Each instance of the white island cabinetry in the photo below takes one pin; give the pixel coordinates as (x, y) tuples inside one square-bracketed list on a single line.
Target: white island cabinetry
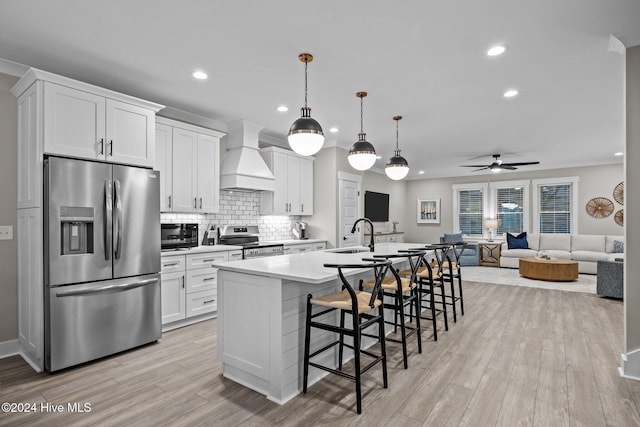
[(261, 315)]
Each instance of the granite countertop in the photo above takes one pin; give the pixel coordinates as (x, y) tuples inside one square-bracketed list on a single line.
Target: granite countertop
[(308, 266), (201, 250)]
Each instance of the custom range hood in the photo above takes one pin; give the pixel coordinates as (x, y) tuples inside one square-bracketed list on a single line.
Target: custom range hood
[(242, 166)]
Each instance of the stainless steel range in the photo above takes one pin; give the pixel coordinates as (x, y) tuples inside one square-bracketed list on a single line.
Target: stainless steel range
[(248, 237)]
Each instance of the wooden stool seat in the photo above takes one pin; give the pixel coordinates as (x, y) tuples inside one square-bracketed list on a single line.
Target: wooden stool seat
[(342, 301), (422, 272), (390, 283)]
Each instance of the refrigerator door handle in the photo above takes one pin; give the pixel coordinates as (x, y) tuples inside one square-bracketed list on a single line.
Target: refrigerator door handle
[(109, 288), (108, 216), (118, 221)]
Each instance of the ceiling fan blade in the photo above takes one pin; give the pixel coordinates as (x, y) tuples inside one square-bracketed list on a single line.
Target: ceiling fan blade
[(481, 169), (521, 164), (473, 166), (508, 167)]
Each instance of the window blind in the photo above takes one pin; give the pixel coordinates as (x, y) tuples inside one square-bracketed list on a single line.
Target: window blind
[(470, 212), (510, 210), (555, 208)]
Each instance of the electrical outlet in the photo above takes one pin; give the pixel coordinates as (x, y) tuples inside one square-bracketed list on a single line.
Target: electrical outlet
[(6, 232)]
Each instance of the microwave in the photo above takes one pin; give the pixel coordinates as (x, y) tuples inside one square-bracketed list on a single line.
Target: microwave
[(178, 236)]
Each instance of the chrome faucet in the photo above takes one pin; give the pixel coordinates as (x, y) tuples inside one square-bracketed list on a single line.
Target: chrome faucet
[(353, 230)]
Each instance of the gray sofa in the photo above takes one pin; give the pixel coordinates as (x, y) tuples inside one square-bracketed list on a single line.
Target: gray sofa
[(610, 279), (470, 253), (584, 248)]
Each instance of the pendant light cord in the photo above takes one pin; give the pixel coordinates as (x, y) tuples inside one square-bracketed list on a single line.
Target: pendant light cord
[(361, 120), (305, 83), (397, 149)]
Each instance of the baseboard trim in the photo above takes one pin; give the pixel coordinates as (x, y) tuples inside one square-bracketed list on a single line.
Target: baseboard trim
[(9, 348), (630, 365)]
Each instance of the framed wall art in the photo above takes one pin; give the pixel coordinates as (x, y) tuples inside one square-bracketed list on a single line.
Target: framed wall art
[(428, 211)]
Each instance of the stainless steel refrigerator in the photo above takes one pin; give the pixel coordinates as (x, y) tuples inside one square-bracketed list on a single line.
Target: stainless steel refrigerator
[(102, 260)]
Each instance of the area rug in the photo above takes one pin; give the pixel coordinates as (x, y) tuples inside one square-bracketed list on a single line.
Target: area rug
[(510, 276)]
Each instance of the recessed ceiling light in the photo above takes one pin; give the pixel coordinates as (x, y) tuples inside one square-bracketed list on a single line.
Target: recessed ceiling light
[(421, 172), (510, 93), (378, 157), (282, 108), (496, 50), (200, 75), (618, 154), (333, 129)]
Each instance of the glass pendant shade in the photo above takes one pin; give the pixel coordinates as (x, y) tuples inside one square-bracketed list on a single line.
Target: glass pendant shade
[(362, 155), (397, 167), (305, 134)]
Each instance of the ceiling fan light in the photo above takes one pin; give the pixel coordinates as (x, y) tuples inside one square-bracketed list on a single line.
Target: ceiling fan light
[(305, 134), (362, 154), (495, 168)]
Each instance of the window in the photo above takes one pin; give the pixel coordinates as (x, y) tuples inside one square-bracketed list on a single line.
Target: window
[(469, 208), (556, 204), (510, 203)]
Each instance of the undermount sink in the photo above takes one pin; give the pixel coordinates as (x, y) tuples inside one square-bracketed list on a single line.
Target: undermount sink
[(348, 250)]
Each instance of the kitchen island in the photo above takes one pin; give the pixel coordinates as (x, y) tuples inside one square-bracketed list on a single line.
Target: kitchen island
[(261, 316)]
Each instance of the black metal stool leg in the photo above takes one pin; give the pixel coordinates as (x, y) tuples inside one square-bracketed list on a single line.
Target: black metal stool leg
[(383, 346), (460, 292), (307, 340), (356, 360), (341, 345)]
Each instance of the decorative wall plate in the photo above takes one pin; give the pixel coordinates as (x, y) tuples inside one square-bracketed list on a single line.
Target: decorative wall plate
[(618, 193), (599, 207), (619, 217)]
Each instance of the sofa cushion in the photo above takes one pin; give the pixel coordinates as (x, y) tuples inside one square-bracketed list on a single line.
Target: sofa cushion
[(517, 242), (585, 242), (588, 256), (561, 242), (609, 242), (453, 238), (518, 253), (560, 254), (533, 239)]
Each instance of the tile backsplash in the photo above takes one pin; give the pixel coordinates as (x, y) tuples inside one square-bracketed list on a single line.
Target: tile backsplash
[(239, 207)]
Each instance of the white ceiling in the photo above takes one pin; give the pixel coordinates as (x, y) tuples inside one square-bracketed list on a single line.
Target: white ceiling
[(422, 59)]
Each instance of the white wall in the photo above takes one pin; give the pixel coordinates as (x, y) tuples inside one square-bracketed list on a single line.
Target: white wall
[(593, 181)]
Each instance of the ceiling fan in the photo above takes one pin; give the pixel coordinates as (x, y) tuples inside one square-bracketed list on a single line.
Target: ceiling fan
[(498, 165)]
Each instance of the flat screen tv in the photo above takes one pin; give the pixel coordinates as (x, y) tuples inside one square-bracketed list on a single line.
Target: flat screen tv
[(376, 206)]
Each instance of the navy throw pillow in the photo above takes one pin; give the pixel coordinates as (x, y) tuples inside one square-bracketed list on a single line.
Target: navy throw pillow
[(517, 242), (618, 247), (453, 238)]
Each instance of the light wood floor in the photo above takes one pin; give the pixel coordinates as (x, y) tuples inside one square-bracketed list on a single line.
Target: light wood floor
[(520, 356)]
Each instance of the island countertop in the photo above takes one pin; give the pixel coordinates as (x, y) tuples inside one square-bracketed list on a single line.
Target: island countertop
[(309, 267)]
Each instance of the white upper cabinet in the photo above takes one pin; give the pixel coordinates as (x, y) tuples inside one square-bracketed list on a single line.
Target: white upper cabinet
[(188, 158), (293, 194), (85, 121)]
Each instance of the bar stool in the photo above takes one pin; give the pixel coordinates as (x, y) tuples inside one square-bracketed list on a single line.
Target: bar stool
[(430, 279), (403, 291), (360, 305), (455, 271)]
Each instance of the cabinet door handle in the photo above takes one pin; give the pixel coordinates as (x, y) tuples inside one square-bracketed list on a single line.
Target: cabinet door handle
[(170, 264), (169, 201), (182, 282), (101, 146), (200, 202), (208, 260), (302, 207), (206, 279), (111, 147), (209, 301), (195, 203)]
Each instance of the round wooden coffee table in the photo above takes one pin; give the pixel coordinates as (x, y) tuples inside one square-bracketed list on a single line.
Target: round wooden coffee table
[(555, 270)]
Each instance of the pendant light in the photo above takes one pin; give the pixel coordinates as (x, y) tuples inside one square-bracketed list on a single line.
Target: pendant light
[(305, 134), (362, 155), (397, 167)]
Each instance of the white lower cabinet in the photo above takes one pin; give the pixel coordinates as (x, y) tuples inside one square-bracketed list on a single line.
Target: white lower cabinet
[(294, 248), (189, 285)]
